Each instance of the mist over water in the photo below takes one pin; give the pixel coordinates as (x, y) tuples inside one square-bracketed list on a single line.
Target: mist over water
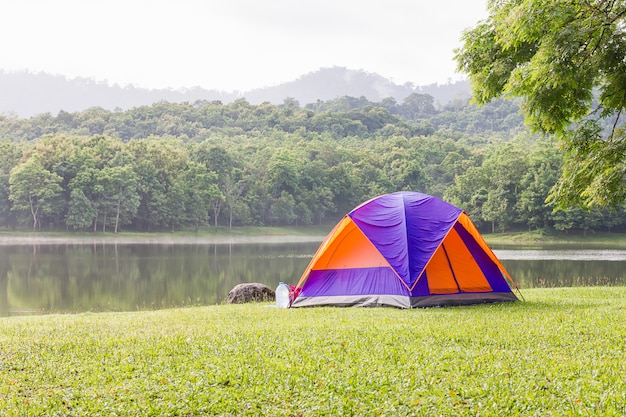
[(609, 255)]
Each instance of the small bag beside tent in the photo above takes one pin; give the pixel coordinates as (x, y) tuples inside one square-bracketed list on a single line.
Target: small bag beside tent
[(404, 250)]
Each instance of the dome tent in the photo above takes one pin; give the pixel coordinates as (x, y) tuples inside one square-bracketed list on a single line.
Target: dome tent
[(404, 250)]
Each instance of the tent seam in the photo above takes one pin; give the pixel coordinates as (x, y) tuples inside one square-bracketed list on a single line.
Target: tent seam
[(386, 260), (419, 276)]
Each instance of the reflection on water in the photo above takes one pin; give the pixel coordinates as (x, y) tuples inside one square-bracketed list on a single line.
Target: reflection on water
[(120, 277), (125, 277)]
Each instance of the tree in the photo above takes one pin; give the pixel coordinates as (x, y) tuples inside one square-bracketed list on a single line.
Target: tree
[(567, 61), (283, 210), (315, 198), (496, 210), (544, 167), (10, 154), (115, 185), (81, 213), (34, 189), (283, 173), (118, 185), (84, 184), (160, 165), (217, 160), (417, 106), (201, 192)]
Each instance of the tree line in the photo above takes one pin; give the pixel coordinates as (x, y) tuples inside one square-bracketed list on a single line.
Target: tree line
[(178, 166)]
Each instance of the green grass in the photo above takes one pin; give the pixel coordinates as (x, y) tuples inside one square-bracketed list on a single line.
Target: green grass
[(538, 238), (560, 353)]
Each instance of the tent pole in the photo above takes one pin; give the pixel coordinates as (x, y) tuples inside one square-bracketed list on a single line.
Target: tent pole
[(451, 269)]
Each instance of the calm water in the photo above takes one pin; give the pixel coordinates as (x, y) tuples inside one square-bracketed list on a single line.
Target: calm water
[(124, 277)]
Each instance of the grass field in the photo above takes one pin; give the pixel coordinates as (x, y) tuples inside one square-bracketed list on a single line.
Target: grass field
[(559, 353)]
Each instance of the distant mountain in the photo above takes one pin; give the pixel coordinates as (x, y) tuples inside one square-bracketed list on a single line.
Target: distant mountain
[(331, 83), (26, 94)]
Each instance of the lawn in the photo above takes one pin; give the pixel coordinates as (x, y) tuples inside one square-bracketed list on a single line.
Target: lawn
[(559, 353)]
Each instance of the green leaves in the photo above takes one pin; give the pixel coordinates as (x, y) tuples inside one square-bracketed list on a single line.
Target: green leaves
[(34, 189), (595, 169), (558, 56)]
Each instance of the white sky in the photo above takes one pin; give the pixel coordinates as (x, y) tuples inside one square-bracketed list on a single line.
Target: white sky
[(234, 45)]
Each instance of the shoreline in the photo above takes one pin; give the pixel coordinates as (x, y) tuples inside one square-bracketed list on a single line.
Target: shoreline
[(155, 240), (281, 235)]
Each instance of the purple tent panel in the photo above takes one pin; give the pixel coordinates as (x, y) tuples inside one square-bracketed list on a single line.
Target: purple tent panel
[(359, 281), (406, 228)]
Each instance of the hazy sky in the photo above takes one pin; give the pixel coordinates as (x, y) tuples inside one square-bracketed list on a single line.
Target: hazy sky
[(234, 45)]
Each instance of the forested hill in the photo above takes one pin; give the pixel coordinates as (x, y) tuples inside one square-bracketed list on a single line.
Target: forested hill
[(339, 118), (170, 166), (28, 94)]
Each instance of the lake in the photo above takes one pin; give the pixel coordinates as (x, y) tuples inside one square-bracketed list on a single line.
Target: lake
[(106, 275)]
